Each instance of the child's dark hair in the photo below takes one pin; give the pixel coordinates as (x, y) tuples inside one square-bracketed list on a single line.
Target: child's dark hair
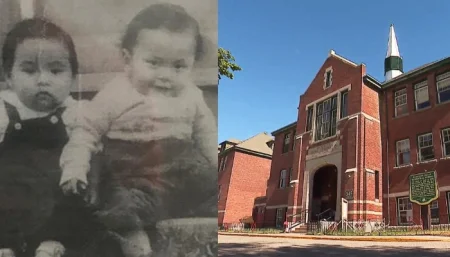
[(169, 16), (36, 28)]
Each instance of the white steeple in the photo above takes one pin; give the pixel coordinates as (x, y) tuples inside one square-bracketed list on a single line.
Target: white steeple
[(393, 63)]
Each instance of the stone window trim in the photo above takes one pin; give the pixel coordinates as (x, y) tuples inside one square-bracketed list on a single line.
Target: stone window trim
[(421, 96), (328, 78), (402, 152), (445, 136), (400, 102), (443, 87), (425, 147)]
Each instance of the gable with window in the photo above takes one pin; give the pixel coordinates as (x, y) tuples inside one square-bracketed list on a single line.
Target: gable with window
[(403, 152), (422, 99), (286, 142), (400, 102), (426, 149), (404, 210), (309, 118), (326, 118), (283, 179), (446, 142), (443, 87)]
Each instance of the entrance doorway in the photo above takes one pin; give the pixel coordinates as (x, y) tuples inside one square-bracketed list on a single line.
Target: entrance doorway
[(324, 195)]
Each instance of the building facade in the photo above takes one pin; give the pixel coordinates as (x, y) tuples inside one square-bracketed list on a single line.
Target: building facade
[(243, 171), (356, 142)]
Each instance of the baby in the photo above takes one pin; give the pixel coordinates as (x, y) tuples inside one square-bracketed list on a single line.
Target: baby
[(40, 65), (148, 121)]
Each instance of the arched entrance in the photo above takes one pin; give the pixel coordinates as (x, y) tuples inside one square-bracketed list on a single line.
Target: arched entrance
[(324, 193)]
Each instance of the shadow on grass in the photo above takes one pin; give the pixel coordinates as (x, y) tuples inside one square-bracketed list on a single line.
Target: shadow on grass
[(321, 250)]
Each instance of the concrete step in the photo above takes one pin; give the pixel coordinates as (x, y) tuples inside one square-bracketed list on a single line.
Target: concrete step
[(302, 229)]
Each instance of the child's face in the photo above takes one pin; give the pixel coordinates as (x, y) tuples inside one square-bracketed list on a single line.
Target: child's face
[(41, 75), (162, 61)]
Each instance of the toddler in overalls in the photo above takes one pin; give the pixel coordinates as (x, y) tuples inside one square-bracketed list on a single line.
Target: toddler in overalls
[(155, 128), (40, 65)]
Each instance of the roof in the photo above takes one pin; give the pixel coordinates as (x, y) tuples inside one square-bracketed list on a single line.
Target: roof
[(416, 72), (289, 126), (255, 145)]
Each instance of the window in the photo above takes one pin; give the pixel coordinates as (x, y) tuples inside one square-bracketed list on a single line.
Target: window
[(404, 208), (446, 142), (403, 152), (279, 218), (326, 118), (401, 105), (377, 184), (223, 163), (421, 96), (283, 179), (293, 140), (286, 142), (426, 150), (344, 104), (448, 206), (309, 118), (290, 174), (434, 208), (218, 195), (328, 79), (443, 87)]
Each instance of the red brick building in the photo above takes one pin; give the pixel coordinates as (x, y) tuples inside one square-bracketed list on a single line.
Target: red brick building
[(243, 171), (356, 141)]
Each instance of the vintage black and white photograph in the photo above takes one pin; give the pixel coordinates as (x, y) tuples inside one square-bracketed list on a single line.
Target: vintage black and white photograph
[(108, 128)]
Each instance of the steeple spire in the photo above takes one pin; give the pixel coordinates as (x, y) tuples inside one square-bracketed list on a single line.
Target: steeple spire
[(393, 63)]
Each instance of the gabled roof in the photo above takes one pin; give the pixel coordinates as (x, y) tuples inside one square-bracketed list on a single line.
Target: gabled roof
[(255, 145)]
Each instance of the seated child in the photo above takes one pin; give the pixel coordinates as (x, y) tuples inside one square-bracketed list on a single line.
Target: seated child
[(40, 65), (149, 121)]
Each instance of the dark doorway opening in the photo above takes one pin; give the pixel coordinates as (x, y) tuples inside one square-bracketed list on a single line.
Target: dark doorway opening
[(324, 195)]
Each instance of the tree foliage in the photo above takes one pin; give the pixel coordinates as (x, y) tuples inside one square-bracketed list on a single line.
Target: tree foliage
[(227, 65)]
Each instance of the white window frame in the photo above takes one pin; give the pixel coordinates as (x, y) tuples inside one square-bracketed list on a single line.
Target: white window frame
[(404, 205), (401, 147), (283, 179), (442, 85), (420, 146), (445, 134), (435, 205), (421, 90), (324, 122), (286, 142), (400, 100)]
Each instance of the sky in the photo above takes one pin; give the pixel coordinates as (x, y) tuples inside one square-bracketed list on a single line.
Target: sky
[(281, 45)]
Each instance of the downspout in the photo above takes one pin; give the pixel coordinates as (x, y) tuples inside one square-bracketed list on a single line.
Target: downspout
[(387, 159)]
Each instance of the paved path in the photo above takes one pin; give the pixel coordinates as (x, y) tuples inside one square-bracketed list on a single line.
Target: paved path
[(272, 247)]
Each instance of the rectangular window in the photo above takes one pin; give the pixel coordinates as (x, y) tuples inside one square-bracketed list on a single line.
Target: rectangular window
[(377, 184), (286, 142), (223, 163), (344, 104), (400, 102), (283, 179), (434, 209), (290, 174), (328, 79), (426, 149), (404, 210), (293, 140), (443, 87), (326, 118), (448, 206), (421, 96), (446, 142), (279, 218), (403, 152), (218, 194), (309, 118)]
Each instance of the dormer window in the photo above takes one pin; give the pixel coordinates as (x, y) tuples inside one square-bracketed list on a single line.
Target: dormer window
[(328, 78)]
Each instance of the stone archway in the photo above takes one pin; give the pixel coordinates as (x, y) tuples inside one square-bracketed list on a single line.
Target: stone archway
[(324, 193)]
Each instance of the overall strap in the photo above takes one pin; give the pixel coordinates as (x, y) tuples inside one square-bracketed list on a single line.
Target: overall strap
[(12, 112)]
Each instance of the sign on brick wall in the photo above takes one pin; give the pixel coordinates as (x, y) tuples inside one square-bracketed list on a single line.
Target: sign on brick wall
[(423, 188)]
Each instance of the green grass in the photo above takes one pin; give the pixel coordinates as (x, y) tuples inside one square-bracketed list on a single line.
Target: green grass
[(254, 231)]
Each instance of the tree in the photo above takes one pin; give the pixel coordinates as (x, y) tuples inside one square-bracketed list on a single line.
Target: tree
[(227, 65)]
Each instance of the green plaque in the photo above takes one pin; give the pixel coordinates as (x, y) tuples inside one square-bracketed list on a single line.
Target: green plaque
[(423, 188)]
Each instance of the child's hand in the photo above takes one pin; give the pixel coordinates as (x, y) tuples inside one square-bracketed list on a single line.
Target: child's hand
[(73, 187)]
